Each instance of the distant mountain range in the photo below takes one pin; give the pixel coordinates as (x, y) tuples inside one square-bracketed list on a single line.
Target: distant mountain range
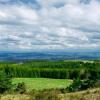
[(21, 56)]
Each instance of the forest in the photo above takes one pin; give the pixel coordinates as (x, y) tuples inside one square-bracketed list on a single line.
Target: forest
[(52, 69)]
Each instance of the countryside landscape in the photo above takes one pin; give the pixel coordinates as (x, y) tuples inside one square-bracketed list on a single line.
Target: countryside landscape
[(49, 49), (50, 79)]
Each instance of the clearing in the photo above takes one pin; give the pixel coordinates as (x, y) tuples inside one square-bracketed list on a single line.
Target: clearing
[(42, 83)]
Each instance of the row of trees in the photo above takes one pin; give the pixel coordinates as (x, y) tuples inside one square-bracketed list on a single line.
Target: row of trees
[(47, 69)]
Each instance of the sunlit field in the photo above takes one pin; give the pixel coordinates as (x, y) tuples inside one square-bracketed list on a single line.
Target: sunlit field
[(42, 83)]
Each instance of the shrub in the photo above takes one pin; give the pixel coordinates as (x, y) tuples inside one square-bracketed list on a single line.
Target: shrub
[(21, 88), (87, 84), (78, 85), (97, 84), (75, 86)]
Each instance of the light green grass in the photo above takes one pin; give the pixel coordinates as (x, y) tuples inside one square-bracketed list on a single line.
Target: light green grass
[(42, 83)]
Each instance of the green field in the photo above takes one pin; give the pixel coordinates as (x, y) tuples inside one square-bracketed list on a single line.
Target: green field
[(42, 83)]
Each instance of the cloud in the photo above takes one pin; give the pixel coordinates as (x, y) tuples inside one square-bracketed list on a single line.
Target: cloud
[(17, 14), (54, 25)]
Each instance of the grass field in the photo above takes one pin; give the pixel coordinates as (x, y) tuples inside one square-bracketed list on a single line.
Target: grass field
[(42, 83)]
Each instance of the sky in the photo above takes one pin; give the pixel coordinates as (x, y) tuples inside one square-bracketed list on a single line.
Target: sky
[(32, 25)]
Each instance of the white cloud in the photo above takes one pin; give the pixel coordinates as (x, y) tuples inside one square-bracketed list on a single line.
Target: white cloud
[(55, 25), (18, 14)]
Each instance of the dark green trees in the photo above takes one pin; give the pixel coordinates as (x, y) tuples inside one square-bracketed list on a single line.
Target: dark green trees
[(53, 69), (5, 82), (79, 84)]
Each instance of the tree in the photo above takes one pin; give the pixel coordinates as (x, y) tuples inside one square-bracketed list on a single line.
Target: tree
[(78, 84), (5, 82)]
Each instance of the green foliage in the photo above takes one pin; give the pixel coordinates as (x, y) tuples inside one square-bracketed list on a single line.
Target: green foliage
[(5, 82), (87, 84), (21, 88), (78, 84), (97, 83), (75, 86), (53, 69)]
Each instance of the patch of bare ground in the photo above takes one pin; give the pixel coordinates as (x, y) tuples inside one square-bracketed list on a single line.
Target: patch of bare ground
[(15, 97)]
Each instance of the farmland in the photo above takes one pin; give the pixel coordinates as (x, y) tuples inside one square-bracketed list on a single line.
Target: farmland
[(42, 83)]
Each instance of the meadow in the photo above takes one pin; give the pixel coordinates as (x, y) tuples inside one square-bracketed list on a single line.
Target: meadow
[(42, 83)]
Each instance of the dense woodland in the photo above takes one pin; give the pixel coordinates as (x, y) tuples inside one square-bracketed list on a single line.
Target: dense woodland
[(53, 69)]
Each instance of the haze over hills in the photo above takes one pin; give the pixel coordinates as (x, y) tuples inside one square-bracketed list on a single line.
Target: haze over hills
[(54, 55)]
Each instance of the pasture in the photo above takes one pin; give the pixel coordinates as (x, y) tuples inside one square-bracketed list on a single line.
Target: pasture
[(42, 83)]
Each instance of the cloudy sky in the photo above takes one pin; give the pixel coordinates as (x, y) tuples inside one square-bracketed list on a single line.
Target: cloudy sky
[(27, 25)]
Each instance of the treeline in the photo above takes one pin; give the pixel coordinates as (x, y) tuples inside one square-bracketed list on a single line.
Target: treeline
[(53, 69)]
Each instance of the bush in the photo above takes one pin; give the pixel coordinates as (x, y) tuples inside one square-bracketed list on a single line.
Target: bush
[(78, 85), (75, 86), (87, 84), (5, 82), (21, 88), (97, 84)]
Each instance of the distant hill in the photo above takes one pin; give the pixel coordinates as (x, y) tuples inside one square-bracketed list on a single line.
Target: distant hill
[(21, 56)]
